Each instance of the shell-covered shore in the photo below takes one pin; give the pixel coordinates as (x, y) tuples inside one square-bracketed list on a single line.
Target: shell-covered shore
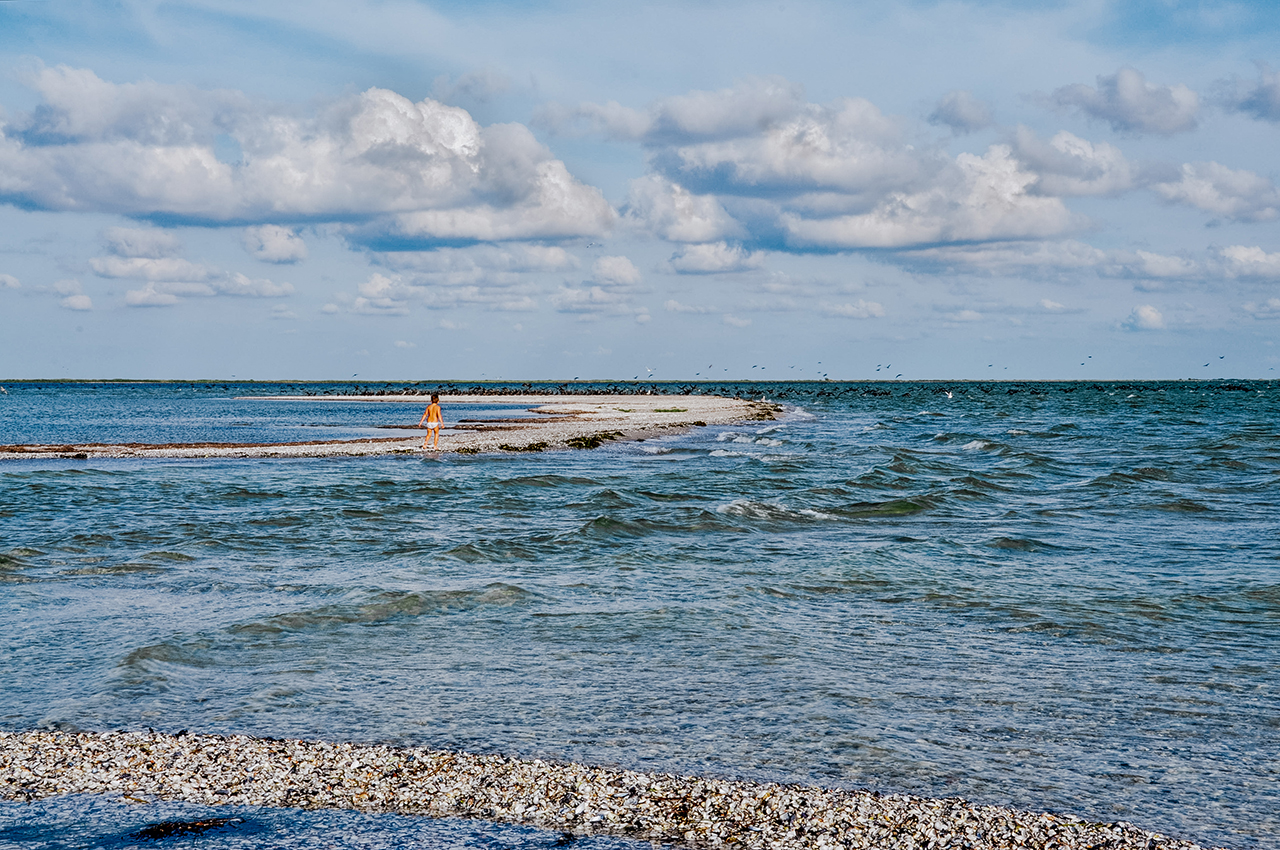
[(574, 798)]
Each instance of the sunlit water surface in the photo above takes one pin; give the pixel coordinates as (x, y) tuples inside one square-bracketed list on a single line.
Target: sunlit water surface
[(1051, 596)]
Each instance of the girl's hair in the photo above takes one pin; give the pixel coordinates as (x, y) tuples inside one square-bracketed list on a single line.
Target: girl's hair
[(435, 396)]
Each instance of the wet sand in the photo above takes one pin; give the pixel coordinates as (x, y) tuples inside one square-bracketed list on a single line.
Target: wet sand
[(560, 423)]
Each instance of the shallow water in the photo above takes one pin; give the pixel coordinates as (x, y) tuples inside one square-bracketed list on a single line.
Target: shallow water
[(96, 823), (1053, 596)]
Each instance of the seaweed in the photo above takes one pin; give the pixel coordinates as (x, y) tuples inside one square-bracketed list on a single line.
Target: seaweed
[(592, 441)]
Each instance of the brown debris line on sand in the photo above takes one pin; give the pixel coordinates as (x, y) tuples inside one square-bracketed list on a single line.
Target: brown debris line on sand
[(575, 798), (563, 422)]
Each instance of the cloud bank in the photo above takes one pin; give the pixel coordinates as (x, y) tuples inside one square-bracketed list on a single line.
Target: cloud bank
[(405, 170)]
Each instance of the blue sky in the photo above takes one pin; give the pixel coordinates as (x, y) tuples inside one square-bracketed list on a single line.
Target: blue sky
[(409, 190)]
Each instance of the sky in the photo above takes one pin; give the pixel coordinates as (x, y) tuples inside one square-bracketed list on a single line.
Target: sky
[(401, 190)]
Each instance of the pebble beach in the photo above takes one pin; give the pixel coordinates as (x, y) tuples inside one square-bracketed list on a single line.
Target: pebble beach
[(143, 767)]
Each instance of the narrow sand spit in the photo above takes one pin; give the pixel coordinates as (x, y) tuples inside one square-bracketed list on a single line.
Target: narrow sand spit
[(697, 812), (563, 422)]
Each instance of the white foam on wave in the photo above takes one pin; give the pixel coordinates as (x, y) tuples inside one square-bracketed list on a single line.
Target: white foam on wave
[(655, 450), (751, 509), (747, 439), (975, 445)]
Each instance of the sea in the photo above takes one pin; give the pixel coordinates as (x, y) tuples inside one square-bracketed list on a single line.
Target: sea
[(1060, 597)]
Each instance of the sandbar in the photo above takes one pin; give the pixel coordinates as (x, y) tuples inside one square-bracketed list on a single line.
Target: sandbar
[(560, 423)]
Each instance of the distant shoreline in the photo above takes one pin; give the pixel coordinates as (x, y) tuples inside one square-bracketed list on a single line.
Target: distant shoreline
[(625, 387)]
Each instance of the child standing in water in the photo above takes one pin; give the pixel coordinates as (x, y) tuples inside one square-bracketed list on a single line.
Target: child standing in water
[(434, 419)]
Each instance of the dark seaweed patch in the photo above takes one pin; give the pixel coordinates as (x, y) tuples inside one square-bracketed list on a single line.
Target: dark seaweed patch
[(170, 828), (592, 441)]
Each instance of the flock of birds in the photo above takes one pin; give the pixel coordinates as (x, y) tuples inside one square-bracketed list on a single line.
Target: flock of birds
[(879, 367)]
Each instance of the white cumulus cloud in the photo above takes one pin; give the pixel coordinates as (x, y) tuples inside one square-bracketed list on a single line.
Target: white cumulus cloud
[(272, 243), (986, 198), (615, 272), (1235, 194), (141, 242), (1150, 265), (1242, 261), (77, 302), (715, 257), (1144, 318), (1070, 165), (1127, 102), (1269, 309), (8, 281), (962, 112), (73, 297), (671, 211)]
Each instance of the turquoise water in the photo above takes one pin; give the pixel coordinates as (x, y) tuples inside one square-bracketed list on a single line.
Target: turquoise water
[(1051, 596)]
